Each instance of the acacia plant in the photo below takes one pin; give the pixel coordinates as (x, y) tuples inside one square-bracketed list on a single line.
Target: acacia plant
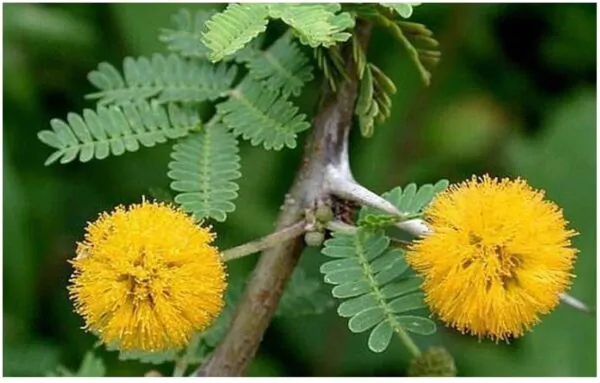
[(149, 283)]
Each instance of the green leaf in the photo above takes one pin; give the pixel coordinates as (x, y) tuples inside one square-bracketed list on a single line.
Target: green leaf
[(315, 24), (403, 9), (374, 99), (366, 319), (341, 264), (340, 246), (344, 276), (303, 296), (369, 273), (91, 366), (354, 306), (158, 357), (408, 34), (168, 79), (203, 169), (114, 130), (26, 358), (410, 201), (380, 337), (408, 302), (262, 116), (186, 37), (409, 194), (351, 289), (282, 67), (416, 324), (402, 287), (230, 30), (392, 269)]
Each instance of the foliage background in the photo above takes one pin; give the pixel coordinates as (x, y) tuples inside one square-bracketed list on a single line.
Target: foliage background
[(514, 95)]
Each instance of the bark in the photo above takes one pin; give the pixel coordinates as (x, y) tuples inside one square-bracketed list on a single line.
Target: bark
[(327, 146)]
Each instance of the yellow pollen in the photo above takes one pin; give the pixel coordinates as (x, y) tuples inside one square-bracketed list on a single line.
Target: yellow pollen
[(147, 277), (498, 258)]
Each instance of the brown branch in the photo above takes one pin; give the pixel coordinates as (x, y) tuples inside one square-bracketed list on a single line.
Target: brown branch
[(265, 242), (327, 146)]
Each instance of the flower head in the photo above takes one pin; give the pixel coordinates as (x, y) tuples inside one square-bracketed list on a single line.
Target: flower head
[(498, 257), (146, 278)]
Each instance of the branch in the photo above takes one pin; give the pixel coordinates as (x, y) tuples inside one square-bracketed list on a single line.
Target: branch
[(265, 242), (327, 145)]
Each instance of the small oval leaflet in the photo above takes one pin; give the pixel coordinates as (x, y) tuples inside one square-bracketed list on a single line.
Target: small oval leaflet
[(380, 337), (417, 325), (366, 319)]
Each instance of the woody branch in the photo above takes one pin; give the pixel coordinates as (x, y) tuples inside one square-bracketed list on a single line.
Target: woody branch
[(327, 147)]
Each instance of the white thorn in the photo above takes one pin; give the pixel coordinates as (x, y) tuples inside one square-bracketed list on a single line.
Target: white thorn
[(574, 302), (416, 227), (344, 186)]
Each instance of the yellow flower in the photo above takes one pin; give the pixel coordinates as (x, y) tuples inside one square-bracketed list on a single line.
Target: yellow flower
[(146, 278), (498, 257)]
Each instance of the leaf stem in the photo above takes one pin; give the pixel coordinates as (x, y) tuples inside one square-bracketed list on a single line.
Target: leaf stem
[(408, 342), (341, 227), (265, 242)]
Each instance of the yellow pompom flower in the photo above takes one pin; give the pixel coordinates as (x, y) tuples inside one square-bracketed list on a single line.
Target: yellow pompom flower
[(146, 278), (498, 257)]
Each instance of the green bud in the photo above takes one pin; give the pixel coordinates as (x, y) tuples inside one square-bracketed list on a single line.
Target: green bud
[(314, 238), (323, 213), (435, 361)]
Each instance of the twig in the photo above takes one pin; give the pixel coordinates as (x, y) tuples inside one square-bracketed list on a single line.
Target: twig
[(265, 242), (328, 144)]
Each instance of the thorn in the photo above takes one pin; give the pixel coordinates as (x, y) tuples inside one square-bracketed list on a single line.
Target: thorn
[(344, 186), (576, 303), (417, 227)]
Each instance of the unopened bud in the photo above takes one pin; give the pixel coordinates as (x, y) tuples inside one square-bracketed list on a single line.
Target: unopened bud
[(324, 213), (314, 238), (435, 361)]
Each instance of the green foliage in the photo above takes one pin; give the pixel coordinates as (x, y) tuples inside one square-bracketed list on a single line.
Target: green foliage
[(303, 296), (186, 37), (114, 130), (332, 65), (282, 67), (29, 359), (314, 24), (422, 48), (378, 292), (169, 79), (419, 42), (91, 367), (435, 361), (262, 116), (230, 30), (203, 169), (157, 358), (411, 201), (374, 101), (403, 9)]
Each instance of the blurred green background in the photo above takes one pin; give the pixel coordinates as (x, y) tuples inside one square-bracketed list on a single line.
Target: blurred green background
[(514, 95)]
